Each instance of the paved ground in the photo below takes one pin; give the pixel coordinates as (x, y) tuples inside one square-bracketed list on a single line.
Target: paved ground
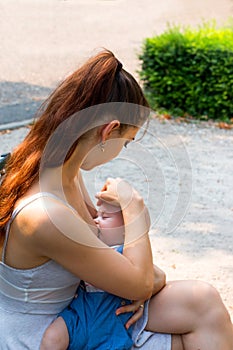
[(41, 41), (184, 172)]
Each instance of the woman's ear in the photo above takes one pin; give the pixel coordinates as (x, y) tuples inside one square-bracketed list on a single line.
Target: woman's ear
[(108, 128)]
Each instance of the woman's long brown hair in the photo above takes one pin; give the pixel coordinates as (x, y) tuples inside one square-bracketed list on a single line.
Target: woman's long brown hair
[(100, 80)]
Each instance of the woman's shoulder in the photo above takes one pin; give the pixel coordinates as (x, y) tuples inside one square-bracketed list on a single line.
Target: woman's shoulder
[(50, 218), (36, 211), (50, 227), (30, 229), (35, 228)]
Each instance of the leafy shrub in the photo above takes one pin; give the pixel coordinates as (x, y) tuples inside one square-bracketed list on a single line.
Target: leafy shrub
[(190, 71)]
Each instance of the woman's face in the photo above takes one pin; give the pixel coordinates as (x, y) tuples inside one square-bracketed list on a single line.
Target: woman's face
[(100, 154), (111, 224)]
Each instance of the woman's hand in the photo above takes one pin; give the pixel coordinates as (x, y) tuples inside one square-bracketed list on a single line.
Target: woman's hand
[(137, 307), (135, 214), (118, 192)]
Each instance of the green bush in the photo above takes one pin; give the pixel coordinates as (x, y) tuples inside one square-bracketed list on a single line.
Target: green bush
[(190, 71)]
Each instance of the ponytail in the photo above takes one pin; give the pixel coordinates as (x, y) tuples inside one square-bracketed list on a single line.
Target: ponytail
[(100, 80)]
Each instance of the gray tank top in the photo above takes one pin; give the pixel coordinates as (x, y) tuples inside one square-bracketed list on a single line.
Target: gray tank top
[(31, 298)]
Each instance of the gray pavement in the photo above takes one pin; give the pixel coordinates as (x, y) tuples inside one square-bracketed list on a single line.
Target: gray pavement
[(41, 41)]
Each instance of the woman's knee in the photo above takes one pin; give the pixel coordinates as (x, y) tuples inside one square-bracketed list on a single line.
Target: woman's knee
[(204, 295), (207, 303), (183, 306)]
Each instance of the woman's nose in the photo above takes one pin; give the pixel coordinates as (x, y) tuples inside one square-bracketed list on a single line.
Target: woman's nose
[(96, 220)]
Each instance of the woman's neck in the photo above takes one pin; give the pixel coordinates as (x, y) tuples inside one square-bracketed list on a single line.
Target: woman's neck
[(54, 180)]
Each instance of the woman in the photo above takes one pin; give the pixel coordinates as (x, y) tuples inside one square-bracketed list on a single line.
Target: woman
[(49, 240), (91, 317)]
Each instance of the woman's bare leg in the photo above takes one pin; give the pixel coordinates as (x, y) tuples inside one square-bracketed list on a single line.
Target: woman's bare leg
[(56, 336), (194, 310)]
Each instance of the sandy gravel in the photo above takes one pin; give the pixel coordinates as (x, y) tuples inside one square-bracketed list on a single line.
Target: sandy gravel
[(184, 172)]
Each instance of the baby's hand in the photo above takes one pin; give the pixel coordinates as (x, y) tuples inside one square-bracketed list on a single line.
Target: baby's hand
[(136, 307)]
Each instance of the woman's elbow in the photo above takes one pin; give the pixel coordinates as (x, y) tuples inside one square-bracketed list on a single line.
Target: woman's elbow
[(159, 279), (147, 289)]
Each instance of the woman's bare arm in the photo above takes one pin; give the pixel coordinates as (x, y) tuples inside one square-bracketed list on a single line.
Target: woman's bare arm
[(56, 232), (159, 279), (137, 305), (137, 246)]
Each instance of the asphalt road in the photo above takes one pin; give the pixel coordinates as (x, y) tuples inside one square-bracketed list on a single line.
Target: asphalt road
[(41, 41)]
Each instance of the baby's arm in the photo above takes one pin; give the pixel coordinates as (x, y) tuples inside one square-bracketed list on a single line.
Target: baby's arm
[(56, 336)]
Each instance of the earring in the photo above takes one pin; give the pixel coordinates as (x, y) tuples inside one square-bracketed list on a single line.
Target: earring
[(102, 146)]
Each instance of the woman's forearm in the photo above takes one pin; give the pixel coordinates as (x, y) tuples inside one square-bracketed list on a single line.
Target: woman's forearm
[(136, 219), (137, 247)]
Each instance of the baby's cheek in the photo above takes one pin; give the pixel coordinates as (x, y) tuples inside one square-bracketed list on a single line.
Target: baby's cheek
[(106, 223), (104, 226)]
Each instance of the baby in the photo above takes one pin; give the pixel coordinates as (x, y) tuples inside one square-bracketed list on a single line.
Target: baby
[(90, 321)]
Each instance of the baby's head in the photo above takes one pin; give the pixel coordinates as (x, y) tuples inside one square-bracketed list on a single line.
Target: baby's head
[(110, 223)]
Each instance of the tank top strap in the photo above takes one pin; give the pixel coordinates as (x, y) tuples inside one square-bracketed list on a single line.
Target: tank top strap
[(22, 205)]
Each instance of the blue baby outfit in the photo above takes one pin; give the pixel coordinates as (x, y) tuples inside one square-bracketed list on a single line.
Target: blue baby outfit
[(92, 323)]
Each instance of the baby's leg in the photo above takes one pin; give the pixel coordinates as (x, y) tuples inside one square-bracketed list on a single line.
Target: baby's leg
[(194, 310), (56, 336)]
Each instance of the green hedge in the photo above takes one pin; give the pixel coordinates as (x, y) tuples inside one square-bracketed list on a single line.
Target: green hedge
[(190, 71)]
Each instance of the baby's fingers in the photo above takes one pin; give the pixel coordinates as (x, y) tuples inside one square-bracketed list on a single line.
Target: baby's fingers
[(125, 308), (138, 314), (136, 308)]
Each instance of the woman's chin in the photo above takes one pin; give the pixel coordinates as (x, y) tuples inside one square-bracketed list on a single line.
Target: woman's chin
[(88, 167)]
